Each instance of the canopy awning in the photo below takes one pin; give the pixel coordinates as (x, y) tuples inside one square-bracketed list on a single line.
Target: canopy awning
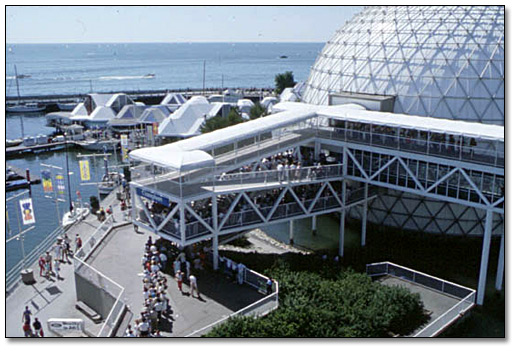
[(171, 157)]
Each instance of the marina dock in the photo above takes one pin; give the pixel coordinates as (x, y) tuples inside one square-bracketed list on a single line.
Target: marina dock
[(15, 152), (147, 97)]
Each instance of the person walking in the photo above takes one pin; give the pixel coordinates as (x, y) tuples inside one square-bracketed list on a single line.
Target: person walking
[(38, 328), (41, 264), (178, 277), (67, 241), (48, 262), (57, 250), (193, 286), (27, 329), (57, 268), (26, 316), (79, 243)]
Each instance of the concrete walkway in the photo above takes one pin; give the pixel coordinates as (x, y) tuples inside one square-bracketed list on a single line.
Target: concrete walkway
[(119, 258), (54, 298)]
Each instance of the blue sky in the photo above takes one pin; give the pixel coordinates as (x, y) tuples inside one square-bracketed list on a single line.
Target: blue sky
[(70, 24)]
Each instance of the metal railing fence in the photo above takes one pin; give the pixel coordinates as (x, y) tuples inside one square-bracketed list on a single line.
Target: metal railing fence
[(465, 295)]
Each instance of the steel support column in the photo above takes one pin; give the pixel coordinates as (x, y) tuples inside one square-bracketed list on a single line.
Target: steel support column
[(215, 251), (486, 242), (214, 209), (364, 220), (500, 267), (291, 232), (314, 221), (342, 233)]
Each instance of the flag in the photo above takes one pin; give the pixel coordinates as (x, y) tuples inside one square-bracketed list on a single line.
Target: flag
[(7, 221), (46, 181), (26, 207), (60, 184), (124, 153), (124, 140), (84, 170)]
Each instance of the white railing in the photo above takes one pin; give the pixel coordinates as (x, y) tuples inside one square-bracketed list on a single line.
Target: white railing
[(259, 308), (93, 241), (465, 295), (98, 279), (13, 275), (111, 287)]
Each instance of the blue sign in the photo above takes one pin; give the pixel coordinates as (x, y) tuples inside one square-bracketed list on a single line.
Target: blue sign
[(150, 195)]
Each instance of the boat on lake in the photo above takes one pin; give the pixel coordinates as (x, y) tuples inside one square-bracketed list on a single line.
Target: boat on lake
[(109, 182), (92, 144), (23, 107), (13, 143)]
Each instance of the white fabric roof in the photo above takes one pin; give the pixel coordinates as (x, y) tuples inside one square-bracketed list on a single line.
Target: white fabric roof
[(356, 113), (287, 95), (186, 120), (171, 157), (456, 127), (244, 130)]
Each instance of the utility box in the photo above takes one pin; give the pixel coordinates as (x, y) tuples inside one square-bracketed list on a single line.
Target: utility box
[(376, 102)]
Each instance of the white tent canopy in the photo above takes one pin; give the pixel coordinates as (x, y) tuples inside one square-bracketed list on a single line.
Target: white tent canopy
[(186, 120), (171, 157), (443, 126)]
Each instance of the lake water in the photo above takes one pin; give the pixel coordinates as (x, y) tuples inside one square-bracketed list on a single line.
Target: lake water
[(72, 68)]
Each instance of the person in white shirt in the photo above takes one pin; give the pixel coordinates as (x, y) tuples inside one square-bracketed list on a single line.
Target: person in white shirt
[(155, 268), (193, 286), (143, 328)]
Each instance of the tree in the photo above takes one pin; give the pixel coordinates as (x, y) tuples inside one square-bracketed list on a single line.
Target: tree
[(283, 81), (257, 111), (330, 303), (220, 122)]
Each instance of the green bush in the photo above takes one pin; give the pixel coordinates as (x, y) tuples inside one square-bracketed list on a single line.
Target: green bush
[(220, 122), (331, 302)]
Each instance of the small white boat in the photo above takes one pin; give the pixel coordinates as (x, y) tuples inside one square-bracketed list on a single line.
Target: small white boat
[(67, 107), (76, 215), (13, 143), (110, 182), (25, 108), (98, 145)]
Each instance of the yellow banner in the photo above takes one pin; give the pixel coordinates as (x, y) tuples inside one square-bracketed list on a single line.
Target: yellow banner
[(84, 170)]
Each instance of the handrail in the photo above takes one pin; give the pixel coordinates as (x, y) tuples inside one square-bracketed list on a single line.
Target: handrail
[(245, 309), (13, 273), (465, 303)]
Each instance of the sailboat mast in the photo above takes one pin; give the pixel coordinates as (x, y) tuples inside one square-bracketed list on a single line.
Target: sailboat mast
[(17, 85), (68, 175), (204, 78)]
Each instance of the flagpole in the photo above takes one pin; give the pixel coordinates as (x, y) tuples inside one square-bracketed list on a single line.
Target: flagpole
[(21, 238)]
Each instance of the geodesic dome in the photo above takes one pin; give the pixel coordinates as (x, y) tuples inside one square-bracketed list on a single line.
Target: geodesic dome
[(438, 61)]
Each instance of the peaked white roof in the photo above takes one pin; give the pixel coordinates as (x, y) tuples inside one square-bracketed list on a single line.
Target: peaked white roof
[(171, 157), (186, 120)]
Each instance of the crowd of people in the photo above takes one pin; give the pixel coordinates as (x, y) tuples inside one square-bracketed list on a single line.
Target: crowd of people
[(156, 306), (287, 165), (37, 328), (50, 265)]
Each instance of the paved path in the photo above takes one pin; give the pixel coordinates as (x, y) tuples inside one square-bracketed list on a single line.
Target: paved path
[(53, 298), (119, 258)]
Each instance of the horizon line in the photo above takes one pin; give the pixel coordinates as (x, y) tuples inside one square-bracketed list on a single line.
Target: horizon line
[(177, 42)]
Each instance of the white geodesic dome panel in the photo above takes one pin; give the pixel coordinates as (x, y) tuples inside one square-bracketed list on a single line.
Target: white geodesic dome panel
[(439, 61)]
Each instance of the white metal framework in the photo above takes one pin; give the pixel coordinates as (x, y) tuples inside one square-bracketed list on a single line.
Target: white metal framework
[(441, 61), (194, 204)]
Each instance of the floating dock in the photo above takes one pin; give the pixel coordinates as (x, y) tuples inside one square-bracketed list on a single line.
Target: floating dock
[(145, 96), (13, 152)]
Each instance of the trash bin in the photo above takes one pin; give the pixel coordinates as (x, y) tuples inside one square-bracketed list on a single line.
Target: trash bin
[(27, 276)]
